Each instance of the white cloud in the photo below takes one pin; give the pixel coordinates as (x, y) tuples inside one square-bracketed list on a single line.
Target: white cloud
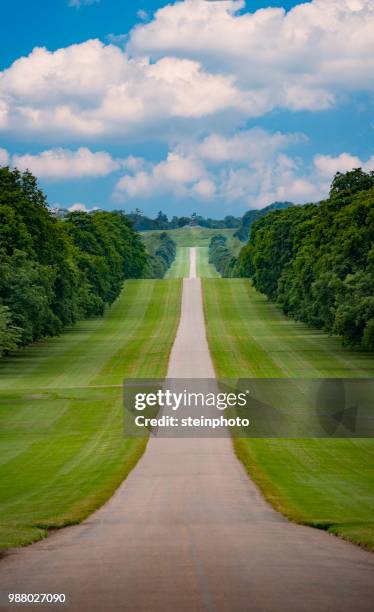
[(66, 164), (133, 163), (206, 58), (92, 89), (193, 60), (248, 166), (277, 178), (247, 145), (300, 59), (251, 167), (4, 157), (327, 165), (176, 175), (205, 188), (78, 207)]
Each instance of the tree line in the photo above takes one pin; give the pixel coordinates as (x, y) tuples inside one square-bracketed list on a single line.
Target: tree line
[(161, 222), (251, 216), (162, 250), (221, 256), (55, 271), (317, 261)]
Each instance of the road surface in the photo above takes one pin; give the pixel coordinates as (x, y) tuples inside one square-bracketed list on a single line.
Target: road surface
[(188, 531)]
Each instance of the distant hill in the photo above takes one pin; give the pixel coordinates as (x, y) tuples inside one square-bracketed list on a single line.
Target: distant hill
[(252, 215)]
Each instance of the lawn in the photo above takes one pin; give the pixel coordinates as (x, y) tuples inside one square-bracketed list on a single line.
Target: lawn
[(204, 268), (63, 452), (327, 483), (186, 237), (191, 236), (180, 268)]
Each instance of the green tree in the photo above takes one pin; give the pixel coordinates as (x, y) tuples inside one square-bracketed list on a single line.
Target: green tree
[(317, 261), (352, 182), (9, 333)]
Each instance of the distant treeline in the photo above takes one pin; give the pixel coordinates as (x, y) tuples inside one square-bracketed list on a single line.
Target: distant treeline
[(143, 223), (221, 256), (251, 216), (317, 261), (162, 250), (53, 271)]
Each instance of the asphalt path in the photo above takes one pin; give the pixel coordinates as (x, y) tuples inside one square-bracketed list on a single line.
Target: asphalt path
[(189, 531)]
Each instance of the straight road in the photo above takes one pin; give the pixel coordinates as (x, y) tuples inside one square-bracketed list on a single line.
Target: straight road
[(188, 531)]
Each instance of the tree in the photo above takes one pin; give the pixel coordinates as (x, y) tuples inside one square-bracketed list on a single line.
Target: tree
[(317, 261), (55, 270), (161, 221), (9, 333), (352, 182)]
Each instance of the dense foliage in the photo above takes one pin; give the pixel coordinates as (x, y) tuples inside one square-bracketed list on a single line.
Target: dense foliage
[(317, 261), (54, 271), (251, 216), (143, 223), (221, 256), (162, 250)]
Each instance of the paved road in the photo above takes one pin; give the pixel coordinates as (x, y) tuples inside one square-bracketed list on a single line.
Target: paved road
[(188, 531), (193, 272)]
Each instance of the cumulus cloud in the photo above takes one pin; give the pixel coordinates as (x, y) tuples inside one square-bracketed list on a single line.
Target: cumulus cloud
[(282, 177), (300, 59), (92, 89), (247, 145), (204, 189), (193, 60), (66, 164), (328, 166), (192, 74), (177, 174), (249, 166), (4, 157), (252, 167), (78, 207)]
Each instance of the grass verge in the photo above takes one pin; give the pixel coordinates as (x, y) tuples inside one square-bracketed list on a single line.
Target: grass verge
[(204, 268), (180, 268), (63, 452), (325, 483), (191, 236)]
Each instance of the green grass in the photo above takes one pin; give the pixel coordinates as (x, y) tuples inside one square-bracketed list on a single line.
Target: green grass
[(180, 268), (63, 452), (204, 268), (151, 241), (191, 236), (326, 483)]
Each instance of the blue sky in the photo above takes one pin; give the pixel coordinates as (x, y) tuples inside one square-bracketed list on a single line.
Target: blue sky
[(215, 107)]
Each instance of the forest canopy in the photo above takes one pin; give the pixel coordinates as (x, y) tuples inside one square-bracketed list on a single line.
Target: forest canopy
[(55, 271), (317, 261), (161, 251)]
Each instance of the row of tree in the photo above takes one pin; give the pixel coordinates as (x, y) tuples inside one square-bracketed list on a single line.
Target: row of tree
[(161, 255), (317, 261), (53, 271), (143, 223), (251, 216), (221, 256)]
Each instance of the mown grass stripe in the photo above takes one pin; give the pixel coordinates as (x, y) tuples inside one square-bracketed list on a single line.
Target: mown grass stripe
[(61, 416), (326, 483)]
